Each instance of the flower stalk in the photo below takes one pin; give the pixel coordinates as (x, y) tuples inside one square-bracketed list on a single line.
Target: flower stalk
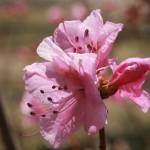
[(102, 139)]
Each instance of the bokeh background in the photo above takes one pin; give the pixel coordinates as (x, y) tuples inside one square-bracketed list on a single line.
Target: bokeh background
[(24, 23)]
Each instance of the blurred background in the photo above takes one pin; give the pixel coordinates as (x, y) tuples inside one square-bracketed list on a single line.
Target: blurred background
[(24, 23)]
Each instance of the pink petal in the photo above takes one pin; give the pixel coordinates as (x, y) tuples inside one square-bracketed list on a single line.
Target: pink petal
[(106, 37), (61, 90), (142, 100), (58, 127), (131, 70), (49, 50), (129, 77), (95, 110), (94, 20), (61, 38)]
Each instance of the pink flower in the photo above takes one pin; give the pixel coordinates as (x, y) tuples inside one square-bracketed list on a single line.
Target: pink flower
[(78, 11), (91, 35), (55, 14), (129, 78), (61, 94), (15, 9)]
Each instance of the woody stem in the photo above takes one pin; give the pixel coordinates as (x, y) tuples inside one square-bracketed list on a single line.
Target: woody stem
[(5, 130), (102, 139)]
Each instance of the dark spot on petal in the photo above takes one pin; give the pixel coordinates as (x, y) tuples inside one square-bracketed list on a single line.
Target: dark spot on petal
[(74, 49), (65, 87), (60, 88), (94, 49), (86, 33), (43, 115), (54, 86), (55, 112), (89, 47), (42, 91), (80, 48), (76, 38), (50, 99), (81, 89), (29, 104), (32, 113)]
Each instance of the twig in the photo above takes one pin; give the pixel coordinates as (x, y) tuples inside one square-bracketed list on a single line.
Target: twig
[(5, 130), (102, 142)]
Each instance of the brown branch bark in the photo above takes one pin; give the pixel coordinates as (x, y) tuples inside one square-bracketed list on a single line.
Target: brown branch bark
[(5, 130)]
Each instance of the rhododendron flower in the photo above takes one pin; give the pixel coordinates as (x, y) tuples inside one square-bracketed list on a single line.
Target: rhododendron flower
[(89, 36), (15, 9), (78, 11), (128, 79), (61, 94), (55, 14)]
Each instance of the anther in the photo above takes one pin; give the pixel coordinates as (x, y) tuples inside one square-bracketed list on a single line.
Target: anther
[(81, 89), (32, 113), (89, 47), (80, 48), (55, 112), (94, 49), (86, 33), (43, 115), (29, 104), (49, 99), (60, 88), (53, 87), (65, 87), (42, 91), (74, 49), (76, 38)]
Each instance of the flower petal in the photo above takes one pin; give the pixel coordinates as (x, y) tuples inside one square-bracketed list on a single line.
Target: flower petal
[(131, 70), (94, 20), (95, 110), (56, 128), (129, 77), (49, 50), (61, 38), (107, 36)]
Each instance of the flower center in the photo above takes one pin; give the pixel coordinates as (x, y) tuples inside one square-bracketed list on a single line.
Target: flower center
[(106, 90)]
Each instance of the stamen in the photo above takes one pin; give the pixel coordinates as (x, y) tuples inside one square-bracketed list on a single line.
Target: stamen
[(60, 88), (80, 48), (86, 33), (101, 69), (81, 89), (65, 87), (74, 49), (94, 49), (65, 99), (76, 38), (29, 105), (32, 113), (31, 134), (89, 47), (43, 115), (69, 105), (55, 112), (66, 34)]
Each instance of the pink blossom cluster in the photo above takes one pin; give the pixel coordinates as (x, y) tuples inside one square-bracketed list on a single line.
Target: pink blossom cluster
[(57, 14), (65, 92), (15, 9)]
